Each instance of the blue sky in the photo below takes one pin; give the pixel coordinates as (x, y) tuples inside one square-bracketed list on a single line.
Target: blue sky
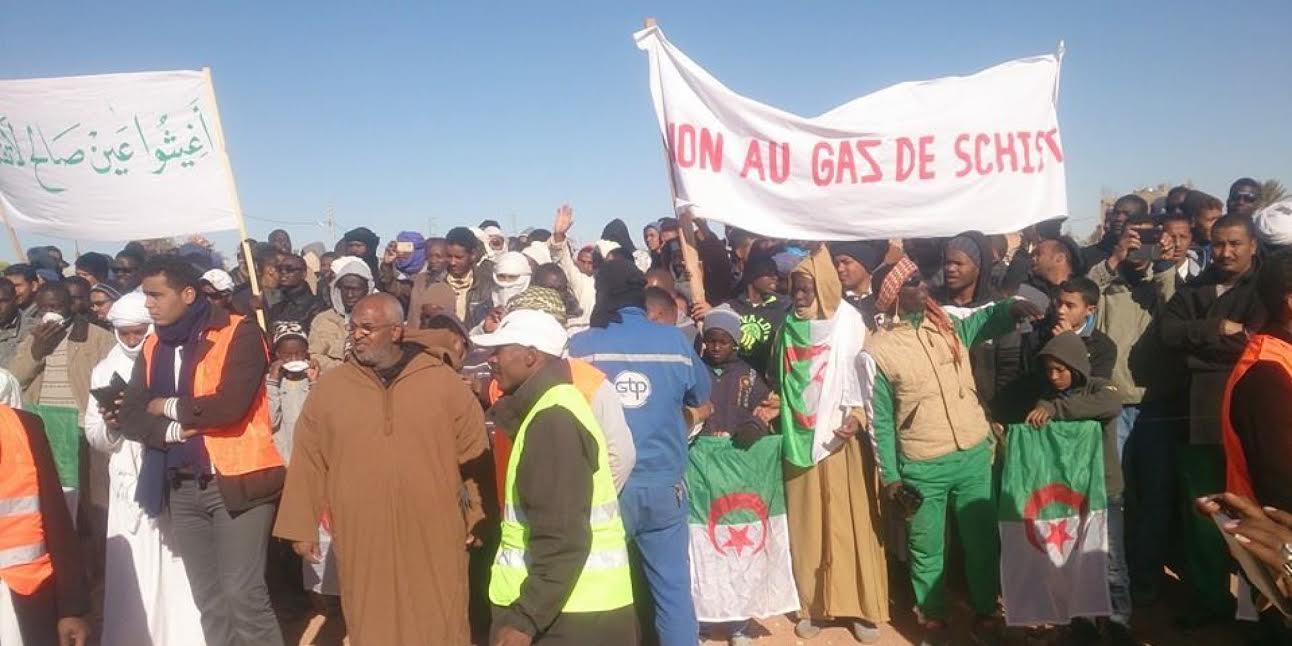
[(419, 115)]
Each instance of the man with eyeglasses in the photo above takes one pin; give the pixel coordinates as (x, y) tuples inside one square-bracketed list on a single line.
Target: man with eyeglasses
[(125, 270), (1244, 194), (296, 301), (391, 446)]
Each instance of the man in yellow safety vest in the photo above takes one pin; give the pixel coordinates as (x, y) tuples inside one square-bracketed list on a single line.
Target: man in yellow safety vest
[(561, 574)]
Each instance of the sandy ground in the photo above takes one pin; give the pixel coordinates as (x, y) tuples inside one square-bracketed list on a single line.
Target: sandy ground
[(1153, 626)]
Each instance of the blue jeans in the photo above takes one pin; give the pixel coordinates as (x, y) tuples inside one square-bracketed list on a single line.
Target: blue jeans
[(1125, 423), (1118, 574), (655, 518)]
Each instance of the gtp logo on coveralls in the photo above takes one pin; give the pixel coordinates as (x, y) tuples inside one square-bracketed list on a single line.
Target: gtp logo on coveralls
[(633, 387)]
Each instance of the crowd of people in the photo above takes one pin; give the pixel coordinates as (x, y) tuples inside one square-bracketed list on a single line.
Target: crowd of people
[(483, 438)]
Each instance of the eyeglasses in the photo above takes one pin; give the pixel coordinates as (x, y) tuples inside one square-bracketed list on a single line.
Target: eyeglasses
[(291, 269), (914, 280), (360, 331), (1246, 197)]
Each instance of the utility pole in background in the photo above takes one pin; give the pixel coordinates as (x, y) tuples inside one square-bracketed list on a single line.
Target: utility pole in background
[(329, 221)]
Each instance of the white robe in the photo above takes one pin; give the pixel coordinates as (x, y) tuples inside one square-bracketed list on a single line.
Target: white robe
[(147, 599)]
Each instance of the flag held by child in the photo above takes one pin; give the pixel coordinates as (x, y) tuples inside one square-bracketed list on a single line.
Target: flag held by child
[(1053, 524), (740, 544)]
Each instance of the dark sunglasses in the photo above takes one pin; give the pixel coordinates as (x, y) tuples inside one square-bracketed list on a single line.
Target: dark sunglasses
[(291, 269), (1245, 197), (914, 280)]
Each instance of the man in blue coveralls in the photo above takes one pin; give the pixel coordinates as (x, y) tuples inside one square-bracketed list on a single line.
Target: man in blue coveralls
[(656, 373)]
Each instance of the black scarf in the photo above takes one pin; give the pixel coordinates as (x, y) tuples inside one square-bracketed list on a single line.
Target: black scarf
[(619, 284)]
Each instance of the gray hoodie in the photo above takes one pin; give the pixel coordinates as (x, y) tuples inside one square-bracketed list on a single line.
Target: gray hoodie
[(1088, 398)]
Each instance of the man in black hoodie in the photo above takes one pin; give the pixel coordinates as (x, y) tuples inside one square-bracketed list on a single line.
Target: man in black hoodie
[(1067, 392)]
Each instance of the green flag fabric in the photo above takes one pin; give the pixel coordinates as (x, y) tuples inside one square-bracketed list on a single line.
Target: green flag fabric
[(63, 428), (816, 366), (1054, 524), (740, 547)]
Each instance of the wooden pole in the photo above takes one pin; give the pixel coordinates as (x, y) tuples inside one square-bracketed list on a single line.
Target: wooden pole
[(237, 204), (686, 228), (20, 255)]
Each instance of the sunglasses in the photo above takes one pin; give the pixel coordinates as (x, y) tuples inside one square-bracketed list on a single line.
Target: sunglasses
[(291, 269), (1245, 197)]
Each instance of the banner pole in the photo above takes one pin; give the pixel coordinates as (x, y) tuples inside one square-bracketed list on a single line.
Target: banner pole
[(233, 196), (685, 221), (21, 256)]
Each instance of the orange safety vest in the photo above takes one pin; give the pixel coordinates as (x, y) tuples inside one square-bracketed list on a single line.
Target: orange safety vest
[(243, 446), (586, 379), (24, 560), (1261, 347)]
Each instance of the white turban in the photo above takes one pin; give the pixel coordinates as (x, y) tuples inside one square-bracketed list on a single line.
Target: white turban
[(604, 247), (539, 252), (1274, 223), (129, 311), (511, 263)]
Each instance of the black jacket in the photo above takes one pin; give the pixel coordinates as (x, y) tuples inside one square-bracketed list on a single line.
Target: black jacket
[(554, 493), (242, 382), (1190, 325), (298, 304)]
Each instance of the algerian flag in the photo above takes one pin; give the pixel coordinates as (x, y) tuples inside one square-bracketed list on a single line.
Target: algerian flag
[(740, 543), (1054, 524), (63, 429), (822, 373)]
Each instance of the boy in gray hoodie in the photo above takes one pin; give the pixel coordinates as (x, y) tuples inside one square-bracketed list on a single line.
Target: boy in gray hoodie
[(1069, 393)]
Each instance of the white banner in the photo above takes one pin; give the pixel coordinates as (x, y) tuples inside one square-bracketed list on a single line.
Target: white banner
[(918, 159), (114, 157)]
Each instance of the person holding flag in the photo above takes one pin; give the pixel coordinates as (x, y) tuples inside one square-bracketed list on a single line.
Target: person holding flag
[(831, 493), (932, 438)]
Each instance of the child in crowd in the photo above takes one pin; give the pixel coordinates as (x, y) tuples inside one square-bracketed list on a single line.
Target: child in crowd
[(287, 385), (1069, 393), (741, 410)]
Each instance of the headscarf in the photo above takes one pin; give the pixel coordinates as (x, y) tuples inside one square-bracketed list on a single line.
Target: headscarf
[(976, 246), (1274, 223), (130, 311), (487, 233), (367, 237), (619, 284), (348, 266), (416, 261), (542, 299), (616, 231), (538, 251), (890, 287), (509, 263), (829, 292)]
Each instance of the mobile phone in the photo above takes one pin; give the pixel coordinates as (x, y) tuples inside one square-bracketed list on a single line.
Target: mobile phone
[(403, 247), (108, 395)]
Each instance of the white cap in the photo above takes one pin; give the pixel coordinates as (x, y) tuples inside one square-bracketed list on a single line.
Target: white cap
[(219, 279), (530, 328)]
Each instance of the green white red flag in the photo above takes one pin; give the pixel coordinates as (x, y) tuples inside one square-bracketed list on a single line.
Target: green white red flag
[(1054, 524), (740, 542)]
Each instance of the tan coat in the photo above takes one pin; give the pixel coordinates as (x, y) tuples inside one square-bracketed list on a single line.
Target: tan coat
[(397, 468), (87, 345), (327, 339), (835, 528), (937, 410)]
